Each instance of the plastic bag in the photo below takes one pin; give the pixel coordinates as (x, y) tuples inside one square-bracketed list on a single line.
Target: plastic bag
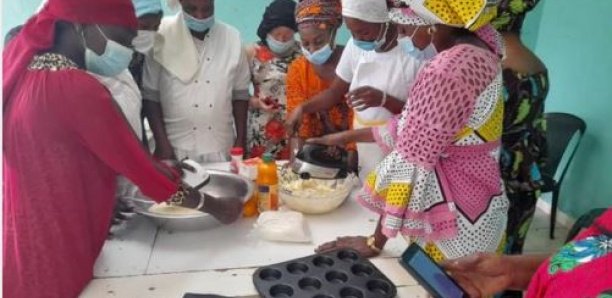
[(282, 226)]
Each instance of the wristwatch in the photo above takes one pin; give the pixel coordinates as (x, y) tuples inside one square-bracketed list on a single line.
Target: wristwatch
[(372, 244)]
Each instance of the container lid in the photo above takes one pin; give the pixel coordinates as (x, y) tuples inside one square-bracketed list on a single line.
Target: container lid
[(268, 157), (237, 151)]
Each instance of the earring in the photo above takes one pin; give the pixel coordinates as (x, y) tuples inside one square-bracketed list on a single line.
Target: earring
[(431, 29)]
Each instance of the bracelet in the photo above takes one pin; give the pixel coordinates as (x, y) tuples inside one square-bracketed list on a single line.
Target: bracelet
[(177, 198), (384, 99), (372, 244)]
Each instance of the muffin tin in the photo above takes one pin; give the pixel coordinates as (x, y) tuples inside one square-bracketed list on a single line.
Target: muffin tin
[(338, 274)]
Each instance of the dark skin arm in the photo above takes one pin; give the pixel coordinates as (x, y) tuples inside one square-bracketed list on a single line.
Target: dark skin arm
[(321, 102), (485, 274), (358, 243), (154, 113), (240, 110), (368, 97), (363, 135)]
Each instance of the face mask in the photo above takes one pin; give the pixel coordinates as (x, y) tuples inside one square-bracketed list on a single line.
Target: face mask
[(198, 25), (409, 48), (115, 59), (320, 56), (144, 41), (373, 45), (279, 47)]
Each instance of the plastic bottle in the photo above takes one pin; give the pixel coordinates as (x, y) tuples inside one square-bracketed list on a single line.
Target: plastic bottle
[(267, 184), (248, 169), (236, 153)]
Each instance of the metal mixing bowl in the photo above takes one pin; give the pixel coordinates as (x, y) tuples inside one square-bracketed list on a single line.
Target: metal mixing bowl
[(222, 185)]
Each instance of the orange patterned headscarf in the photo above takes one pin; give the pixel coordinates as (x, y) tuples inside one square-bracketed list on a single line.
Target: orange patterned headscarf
[(323, 14)]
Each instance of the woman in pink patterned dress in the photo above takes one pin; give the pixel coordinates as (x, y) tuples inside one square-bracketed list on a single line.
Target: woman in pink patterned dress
[(440, 184)]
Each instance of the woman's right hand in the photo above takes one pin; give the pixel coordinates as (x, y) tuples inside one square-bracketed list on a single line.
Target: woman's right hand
[(336, 139), (293, 121), (482, 274), (266, 104)]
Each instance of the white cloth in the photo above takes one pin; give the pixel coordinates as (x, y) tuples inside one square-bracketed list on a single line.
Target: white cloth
[(126, 94), (198, 113), (392, 72), (175, 51), (372, 11)]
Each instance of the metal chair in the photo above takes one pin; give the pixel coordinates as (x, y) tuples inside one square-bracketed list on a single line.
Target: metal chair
[(564, 133)]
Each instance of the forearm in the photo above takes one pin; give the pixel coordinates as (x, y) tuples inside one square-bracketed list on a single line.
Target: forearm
[(523, 267), (153, 112), (380, 240), (328, 98), (363, 135), (240, 112), (394, 105)]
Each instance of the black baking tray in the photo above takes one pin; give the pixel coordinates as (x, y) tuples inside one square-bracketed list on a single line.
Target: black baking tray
[(338, 274)]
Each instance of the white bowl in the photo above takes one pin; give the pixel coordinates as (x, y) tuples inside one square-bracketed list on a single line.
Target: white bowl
[(313, 200)]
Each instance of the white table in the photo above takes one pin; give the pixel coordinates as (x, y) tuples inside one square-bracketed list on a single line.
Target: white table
[(144, 261)]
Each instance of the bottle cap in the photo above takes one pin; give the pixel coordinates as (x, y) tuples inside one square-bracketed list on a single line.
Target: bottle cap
[(237, 151), (268, 157)]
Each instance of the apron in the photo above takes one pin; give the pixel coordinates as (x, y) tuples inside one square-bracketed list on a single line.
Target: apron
[(370, 154)]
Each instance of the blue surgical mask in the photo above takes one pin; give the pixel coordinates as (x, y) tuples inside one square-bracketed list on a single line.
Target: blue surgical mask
[(198, 25), (320, 56), (115, 59), (279, 47), (375, 44), (410, 49)]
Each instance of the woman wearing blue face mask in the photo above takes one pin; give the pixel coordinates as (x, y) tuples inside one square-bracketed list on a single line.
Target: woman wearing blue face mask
[(318, 22), (269, 61), (372, 75)]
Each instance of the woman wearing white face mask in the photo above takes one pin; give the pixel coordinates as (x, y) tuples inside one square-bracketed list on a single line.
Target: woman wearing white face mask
[(269, 60)]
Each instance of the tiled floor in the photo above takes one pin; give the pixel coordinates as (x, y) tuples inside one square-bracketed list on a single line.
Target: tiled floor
[(537, 238)]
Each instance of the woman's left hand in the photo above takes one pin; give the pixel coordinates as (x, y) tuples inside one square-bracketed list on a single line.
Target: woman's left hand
[(357, 243), (365, 97)]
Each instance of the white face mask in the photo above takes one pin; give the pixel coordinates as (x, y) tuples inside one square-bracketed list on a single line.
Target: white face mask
[(144, 41)]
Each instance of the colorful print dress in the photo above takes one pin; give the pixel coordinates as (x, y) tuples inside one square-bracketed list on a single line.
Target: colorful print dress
[(440, 185), (266, 131), (524, 148), (582, 268)]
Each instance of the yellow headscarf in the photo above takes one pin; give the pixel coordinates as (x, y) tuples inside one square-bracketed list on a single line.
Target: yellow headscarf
[(469, 14)]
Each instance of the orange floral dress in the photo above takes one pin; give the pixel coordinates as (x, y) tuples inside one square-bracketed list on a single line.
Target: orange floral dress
[(303, 83)]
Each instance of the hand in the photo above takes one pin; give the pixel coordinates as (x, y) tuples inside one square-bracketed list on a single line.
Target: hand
[(267, 104), (481, 275), (226, 210), (364, 97), (335, 139), (358, 243), (292, 123)]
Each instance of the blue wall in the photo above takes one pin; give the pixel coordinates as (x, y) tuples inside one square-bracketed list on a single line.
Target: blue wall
[(574, 41), (245, 15)]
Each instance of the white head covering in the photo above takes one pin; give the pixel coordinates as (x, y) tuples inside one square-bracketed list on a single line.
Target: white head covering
[(372, 11)]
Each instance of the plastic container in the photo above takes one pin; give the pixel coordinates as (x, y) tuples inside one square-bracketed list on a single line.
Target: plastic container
[(237, 153), (248, 169), (267, 184)]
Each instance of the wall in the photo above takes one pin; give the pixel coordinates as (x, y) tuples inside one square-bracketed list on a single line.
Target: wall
[(245, 15), (574, 42)]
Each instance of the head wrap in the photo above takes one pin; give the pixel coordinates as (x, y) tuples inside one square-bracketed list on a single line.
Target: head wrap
[(323, 14), (469, 14), (371, 11), (474, 15), (278, 13), (144, 7), (38, 33)]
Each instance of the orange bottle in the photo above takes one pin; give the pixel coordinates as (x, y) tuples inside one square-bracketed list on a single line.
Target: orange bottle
[(267, 184), (248, 169)]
